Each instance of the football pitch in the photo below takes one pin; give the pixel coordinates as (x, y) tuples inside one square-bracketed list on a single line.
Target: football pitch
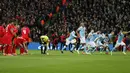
[(65, 63)]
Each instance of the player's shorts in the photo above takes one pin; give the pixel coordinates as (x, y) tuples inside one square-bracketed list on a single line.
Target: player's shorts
[(99, 43), (118, 44), (67, 42), (72, 41), (82, 40), (92, 44)]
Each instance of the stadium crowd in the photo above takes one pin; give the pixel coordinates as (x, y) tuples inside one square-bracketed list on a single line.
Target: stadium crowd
[(97, 14), (103, 15)]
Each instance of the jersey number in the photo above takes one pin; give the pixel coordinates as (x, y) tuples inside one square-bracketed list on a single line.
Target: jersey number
[(24, 31)]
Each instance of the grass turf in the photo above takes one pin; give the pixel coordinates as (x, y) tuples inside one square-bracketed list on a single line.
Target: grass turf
[(65, 63)]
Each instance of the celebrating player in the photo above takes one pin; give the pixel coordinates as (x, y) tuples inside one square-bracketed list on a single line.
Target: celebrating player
[(70, 40), (21, 43), (11, 31), (81, 34), (2, 33), (120, 42)]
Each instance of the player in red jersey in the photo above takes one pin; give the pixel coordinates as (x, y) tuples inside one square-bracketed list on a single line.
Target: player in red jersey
[(2, 33), (21, 43), (11, 31), (25, 32)]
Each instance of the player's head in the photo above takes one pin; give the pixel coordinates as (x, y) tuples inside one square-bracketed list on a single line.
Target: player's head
[(82, 24), (12, 23), (98, 32), (112, 32), (92, 31), (106, 35)]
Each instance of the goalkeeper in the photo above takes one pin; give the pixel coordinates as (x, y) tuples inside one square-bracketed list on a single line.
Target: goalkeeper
[(44, 41)]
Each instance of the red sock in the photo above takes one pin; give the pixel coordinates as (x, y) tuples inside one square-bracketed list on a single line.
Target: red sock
[(21, 50)]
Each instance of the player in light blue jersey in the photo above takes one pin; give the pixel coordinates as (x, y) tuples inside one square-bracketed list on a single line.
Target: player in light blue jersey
[(120, 42), (99, 41), (70, 40), (92, 37), (81, 34), (90, 42), (106, 43), (110, 35)]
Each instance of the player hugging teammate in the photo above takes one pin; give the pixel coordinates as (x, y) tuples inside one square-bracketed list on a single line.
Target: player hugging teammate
[(9, 40), (94, 41)]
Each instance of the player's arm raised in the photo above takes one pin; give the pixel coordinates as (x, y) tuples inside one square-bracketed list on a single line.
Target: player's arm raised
[(125, 32)]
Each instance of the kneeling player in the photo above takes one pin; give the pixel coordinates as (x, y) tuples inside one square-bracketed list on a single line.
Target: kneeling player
[(21, 43), (44, 41)]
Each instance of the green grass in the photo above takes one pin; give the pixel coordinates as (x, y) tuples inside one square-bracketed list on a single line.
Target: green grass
[(65, 63)]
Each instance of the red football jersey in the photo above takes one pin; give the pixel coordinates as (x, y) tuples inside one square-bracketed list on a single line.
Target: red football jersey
[(63, 38), (19, 40), (2, 31), (11, 29), (10, 32), (25, 32)]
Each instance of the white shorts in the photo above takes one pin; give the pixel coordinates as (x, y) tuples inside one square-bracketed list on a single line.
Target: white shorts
[(82, 40), (99, 43), (72, 41), (92, 44), (118, 44)]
